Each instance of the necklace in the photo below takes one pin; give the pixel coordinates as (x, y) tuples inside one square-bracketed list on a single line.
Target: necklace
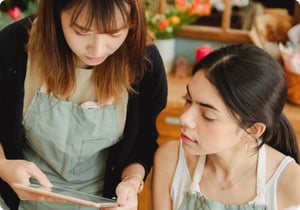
[(234, 181)]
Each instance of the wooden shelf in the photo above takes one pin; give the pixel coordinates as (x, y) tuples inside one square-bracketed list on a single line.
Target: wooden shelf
[(224, 33), (215, 34)]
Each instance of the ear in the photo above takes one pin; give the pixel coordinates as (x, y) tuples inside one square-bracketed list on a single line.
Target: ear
[(257, 129)]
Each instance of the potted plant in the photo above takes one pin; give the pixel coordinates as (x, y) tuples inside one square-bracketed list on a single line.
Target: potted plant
[(166, 23)]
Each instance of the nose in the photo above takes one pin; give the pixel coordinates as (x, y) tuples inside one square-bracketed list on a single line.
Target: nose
[(188, 119), (98, 45)]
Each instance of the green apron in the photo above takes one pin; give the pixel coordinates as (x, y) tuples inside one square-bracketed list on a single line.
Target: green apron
[(3, 205), (69, 144)]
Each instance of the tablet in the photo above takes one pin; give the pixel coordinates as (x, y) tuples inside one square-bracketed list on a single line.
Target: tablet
[(68, 195)]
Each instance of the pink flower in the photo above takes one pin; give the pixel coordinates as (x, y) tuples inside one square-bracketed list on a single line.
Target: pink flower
[(163, 24), (15, 13)]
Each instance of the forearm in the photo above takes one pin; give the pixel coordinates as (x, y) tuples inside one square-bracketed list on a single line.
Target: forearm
[(134, 174)]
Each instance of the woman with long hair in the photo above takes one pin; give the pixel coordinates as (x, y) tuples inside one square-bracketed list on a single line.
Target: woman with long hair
[(81, 87)]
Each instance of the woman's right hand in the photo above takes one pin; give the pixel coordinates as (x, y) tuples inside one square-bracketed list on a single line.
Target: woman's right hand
[(20, 171)]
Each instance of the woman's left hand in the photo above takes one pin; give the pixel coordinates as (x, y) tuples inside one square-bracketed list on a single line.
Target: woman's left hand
[(127, 196)]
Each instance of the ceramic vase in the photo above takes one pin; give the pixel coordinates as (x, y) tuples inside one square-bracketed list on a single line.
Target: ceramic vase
[(166, 49)]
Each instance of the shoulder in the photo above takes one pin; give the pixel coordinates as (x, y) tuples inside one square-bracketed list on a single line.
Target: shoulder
[(169, 147), (167, 153), (153, 59), (289, 186), (165, 161), (153, 85), (152, 50), (13, 39), (16, 32)]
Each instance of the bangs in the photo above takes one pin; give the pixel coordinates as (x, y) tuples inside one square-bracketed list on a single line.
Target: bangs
[(102, 15)]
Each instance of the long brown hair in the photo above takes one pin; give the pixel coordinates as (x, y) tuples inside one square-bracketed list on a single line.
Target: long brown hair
[(50, 53)]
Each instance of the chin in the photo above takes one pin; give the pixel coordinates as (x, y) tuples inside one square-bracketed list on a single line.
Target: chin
[(191, 150)]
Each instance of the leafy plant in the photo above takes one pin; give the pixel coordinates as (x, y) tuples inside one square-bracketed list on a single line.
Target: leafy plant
[(166, 24)]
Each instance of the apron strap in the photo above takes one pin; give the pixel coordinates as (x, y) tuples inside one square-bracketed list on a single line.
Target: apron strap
[(195, 186), (261, 175)]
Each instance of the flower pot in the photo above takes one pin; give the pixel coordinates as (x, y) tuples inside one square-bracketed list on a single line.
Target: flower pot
[(166, 49)]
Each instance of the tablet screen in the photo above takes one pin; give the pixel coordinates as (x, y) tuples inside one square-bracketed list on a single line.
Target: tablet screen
[(69, 195)]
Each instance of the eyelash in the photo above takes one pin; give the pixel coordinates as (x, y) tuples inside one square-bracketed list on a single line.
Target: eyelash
[(82, 33), (208, 119), (115, 35)]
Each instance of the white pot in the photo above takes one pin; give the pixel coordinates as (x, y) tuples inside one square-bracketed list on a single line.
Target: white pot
[(166, 48)]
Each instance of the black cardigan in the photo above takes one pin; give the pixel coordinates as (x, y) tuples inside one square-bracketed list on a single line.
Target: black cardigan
[(140, 134)]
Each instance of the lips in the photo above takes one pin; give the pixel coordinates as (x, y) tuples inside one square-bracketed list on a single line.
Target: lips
[(95, 59), (187, 139)]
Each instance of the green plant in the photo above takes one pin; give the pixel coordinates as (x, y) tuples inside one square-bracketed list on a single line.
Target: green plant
[(165, 24)]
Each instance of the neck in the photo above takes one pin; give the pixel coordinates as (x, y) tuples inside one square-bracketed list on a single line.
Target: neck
[(226, 170)]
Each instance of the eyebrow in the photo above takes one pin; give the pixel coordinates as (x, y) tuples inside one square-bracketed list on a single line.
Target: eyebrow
[(87, 29), (80, 27), (200, 103)]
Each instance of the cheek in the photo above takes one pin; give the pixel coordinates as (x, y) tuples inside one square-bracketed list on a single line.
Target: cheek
[(116, 43), (114, 46), (219, 136), (76, 44)]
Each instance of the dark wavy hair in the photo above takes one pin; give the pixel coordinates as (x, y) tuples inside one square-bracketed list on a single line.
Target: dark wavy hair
[(252, 85)]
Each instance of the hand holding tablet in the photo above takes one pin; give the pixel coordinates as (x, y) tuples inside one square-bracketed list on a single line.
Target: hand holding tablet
[(68, 195)]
